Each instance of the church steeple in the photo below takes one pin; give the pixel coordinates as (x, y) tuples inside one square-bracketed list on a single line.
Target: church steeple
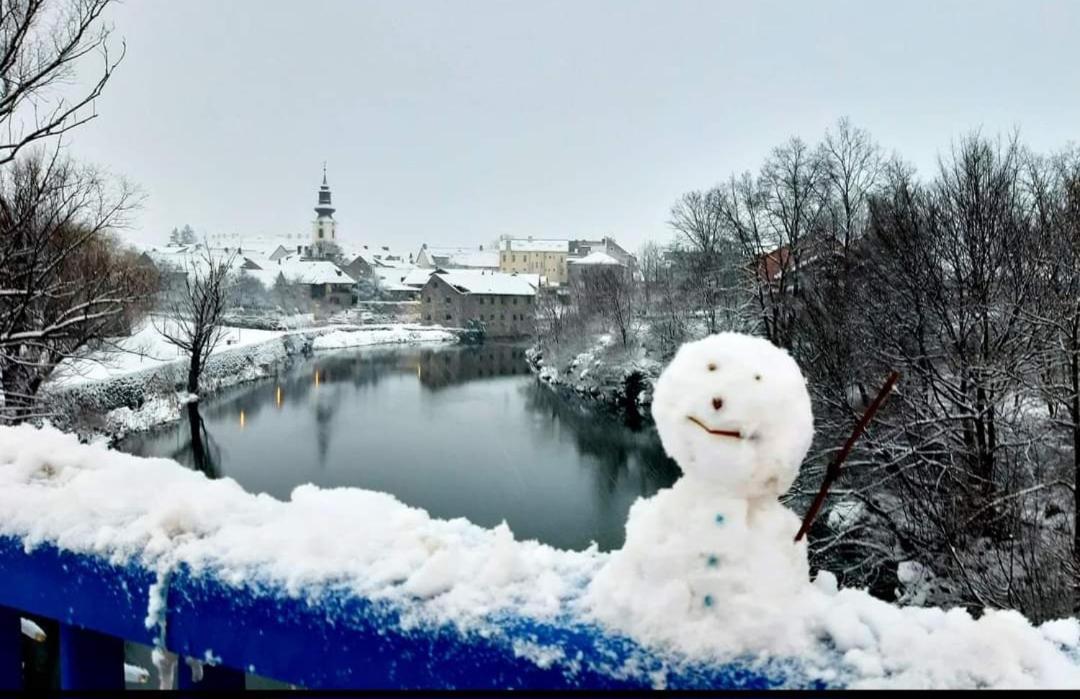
[(325, 227), (324, 208)]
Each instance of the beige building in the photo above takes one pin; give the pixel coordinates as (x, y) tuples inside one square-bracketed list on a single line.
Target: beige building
[(528, 256)]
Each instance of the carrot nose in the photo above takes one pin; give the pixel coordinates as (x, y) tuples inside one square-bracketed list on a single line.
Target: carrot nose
[(717, 403)]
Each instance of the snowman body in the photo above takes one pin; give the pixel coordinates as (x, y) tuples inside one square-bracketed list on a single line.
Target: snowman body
[(734, 413)]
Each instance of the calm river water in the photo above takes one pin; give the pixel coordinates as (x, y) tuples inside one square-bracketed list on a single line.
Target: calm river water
[(459, 431)]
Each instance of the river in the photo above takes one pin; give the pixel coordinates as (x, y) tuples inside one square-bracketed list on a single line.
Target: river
[(458, 431)]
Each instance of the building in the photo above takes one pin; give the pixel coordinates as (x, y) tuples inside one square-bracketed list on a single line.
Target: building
[(606, 245), (579, 269), (505, 303), (362, 261), (528, 256), (457, 258), (319, 281)]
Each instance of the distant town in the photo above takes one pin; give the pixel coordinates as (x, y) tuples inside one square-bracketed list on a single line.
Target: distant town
[(329, 270)]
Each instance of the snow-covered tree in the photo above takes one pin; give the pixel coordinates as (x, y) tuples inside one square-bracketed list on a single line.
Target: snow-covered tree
[(194, 318), (66, 283)]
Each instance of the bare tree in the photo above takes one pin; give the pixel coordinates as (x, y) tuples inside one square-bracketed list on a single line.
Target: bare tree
[(608, 290), (41, 43), (552, 316), (193, 321), (1055, 188), (698, 219), (965, 283), (650, 260), (330, 250), (65, 282)]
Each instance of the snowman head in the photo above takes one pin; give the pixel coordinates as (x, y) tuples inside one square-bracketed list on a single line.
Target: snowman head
[(734, 413)]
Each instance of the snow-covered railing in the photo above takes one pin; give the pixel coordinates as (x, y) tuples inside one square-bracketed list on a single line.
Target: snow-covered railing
[(326, 638)]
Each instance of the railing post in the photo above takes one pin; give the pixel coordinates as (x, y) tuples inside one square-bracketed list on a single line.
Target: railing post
[(10, 650), (214, 677), (90, 660)]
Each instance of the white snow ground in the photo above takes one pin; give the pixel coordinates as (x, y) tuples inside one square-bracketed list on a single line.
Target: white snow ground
[(88, 499)]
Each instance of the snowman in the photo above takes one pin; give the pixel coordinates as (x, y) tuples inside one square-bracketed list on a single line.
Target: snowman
[(733, 411)]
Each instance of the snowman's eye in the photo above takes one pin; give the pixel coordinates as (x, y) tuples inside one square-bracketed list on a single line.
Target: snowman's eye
[(712, 366), (757, 377)]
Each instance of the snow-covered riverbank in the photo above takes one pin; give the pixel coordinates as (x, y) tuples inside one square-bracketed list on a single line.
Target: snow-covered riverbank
[(620, 380), (139, 384)]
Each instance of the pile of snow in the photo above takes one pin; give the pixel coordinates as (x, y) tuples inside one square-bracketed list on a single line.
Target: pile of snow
[(89, 499), (363, 336)]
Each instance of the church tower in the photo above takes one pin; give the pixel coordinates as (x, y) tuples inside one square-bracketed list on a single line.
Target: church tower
[(324, 228)]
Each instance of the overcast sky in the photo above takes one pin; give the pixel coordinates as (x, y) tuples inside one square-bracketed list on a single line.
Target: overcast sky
[(454, 122)]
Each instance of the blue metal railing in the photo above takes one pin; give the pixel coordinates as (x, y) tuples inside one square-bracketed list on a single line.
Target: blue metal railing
[(329, 638)]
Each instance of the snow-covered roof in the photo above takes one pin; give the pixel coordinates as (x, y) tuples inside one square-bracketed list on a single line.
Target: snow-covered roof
[(530, 245), (462, 257), (371, 254), (498, 283), (311, 272), (417, 277), (595, 258)]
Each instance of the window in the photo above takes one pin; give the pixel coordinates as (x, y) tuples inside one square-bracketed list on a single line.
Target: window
[(427, 317), (480, 300), (449, 317), (427, 299), (492, 316), (513, 258), (447, 299), (528, 300), (503, 300), (515, 300)]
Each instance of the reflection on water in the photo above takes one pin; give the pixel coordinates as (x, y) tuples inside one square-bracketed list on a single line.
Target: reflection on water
[(458, 431)]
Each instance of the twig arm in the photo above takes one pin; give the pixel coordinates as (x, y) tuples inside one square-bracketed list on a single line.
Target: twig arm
[(833, 471)]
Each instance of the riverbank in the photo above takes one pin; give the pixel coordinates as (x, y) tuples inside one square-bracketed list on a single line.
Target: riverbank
[(139, 386), (620, 380)]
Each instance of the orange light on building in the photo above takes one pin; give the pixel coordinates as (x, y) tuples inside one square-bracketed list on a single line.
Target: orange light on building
[(316, 377), (241, 419), (277, 397)]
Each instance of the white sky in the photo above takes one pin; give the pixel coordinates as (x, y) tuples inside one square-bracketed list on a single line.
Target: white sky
[(453, 122)]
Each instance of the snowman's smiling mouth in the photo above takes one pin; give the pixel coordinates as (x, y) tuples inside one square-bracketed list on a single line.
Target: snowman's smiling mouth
[(734, 434)]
